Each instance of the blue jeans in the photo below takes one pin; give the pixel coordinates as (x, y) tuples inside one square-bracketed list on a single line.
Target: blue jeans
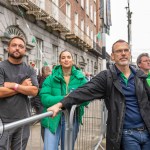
[(135, 140), (52, 141)]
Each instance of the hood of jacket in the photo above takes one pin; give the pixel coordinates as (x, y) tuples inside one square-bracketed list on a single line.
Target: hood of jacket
[(139, 73)]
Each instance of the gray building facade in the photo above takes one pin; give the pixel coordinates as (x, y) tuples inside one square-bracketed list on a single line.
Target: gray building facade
[(45, 41)]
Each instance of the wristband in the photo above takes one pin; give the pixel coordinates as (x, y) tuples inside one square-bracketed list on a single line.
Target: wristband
[(16, 87)]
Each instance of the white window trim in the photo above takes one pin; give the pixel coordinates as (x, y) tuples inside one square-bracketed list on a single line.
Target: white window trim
[(82, 3), (91, 12)]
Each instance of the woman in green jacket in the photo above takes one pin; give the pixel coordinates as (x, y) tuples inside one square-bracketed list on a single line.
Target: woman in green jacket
[(64, 78)]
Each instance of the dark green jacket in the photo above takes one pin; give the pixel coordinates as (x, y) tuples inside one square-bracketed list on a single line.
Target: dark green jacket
[(53, 91)]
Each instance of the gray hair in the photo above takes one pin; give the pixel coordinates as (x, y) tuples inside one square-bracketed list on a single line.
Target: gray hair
[(138, 61)]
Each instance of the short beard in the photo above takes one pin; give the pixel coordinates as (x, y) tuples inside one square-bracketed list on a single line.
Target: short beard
[(124, 63), (13, 56)]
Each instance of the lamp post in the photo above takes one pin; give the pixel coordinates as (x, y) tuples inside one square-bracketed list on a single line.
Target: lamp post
[(103, 46), (129, 15)]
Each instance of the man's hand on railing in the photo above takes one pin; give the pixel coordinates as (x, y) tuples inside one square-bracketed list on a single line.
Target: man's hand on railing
[(55, 109)]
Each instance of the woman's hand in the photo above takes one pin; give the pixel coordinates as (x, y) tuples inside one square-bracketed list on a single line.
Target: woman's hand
[(55, 109)]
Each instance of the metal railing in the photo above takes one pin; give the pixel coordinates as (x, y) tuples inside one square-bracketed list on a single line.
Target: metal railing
[(17, 124), (22, 122), (90, 134)]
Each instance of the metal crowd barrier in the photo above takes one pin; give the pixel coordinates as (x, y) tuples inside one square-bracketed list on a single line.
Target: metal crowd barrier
[(22, 122), (90, 135), (91, 132)]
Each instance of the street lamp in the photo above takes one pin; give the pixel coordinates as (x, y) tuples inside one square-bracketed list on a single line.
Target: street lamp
[(129, 15)]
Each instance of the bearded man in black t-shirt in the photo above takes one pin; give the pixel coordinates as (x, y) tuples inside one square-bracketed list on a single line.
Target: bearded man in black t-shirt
[(17, 81)]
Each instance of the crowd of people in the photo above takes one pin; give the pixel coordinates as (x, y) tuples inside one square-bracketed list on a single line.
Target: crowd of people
[(128, 102)]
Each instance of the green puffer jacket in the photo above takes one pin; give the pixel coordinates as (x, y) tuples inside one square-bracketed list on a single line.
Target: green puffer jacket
[(54, 89)]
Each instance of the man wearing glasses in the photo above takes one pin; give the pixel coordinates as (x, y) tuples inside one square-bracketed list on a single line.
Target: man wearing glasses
[(128, 123), (143, 62)]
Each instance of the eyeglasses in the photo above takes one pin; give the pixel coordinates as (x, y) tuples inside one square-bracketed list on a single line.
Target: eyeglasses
[(119, 51), (148, 60)]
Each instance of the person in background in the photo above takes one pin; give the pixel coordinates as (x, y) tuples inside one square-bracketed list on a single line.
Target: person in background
[(126, 98), (64, 79), (143, 62), (88, 76), (46, 71), (35, 101), (17, 81)]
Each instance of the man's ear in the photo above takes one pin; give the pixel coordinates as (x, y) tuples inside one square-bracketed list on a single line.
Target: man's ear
[(139, 65), (112, 56)]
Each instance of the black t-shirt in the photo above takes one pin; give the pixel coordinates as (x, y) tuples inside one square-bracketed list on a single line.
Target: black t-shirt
[(15, 107)]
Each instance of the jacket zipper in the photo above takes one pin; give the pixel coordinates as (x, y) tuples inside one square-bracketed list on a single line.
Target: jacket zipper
[(67, 92)]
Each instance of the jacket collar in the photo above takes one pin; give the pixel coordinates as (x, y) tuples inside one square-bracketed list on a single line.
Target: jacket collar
[(58, 74), (114, 70)]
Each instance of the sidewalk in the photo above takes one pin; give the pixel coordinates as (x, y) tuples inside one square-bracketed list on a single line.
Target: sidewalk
[(104, 143), (35, 141)]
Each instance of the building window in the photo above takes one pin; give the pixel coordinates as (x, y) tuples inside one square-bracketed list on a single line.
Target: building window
[(87, 30), (68, 15), (39, 52), (91, 34), (95, 37), (88, 65), (92, 66), (82, 25), (76, 19), (55, 55), (82, 3), (55, 11), (87, 7), (39, 47), (82, 29), (75, 59), (94, 17), (41, 4), (76, 24), (91, 12), (68, 10)]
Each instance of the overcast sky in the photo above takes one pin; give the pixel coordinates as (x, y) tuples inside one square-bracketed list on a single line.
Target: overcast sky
[(140, 25)]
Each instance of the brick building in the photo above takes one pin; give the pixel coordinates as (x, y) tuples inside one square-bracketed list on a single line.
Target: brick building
[(50, 26)]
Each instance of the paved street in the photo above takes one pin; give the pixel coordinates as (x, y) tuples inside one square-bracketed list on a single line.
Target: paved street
[(36, 143), (35, 140)]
